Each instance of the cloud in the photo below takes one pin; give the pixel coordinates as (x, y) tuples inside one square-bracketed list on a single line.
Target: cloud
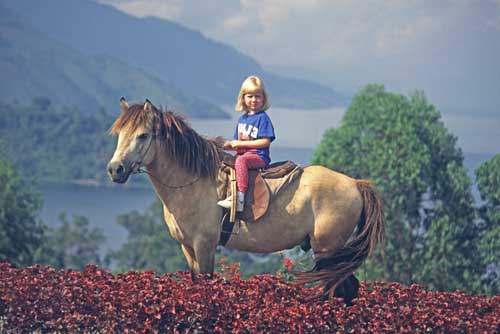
[(170, 9), (446, 47), (376, 28), (495, 20)]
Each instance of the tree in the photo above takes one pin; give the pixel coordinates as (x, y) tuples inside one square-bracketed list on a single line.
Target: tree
[(72, 245), (20, 232), (402, 145), (488, 181)]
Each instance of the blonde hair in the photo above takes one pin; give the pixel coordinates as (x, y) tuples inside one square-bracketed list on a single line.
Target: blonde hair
[(251, 85)]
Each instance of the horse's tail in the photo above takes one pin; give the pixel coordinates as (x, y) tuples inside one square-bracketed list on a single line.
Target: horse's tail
[(335, 268)]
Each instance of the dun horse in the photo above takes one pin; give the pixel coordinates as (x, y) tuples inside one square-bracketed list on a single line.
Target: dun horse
[(340, 218)]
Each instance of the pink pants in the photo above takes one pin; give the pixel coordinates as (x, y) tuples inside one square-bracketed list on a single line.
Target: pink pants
[(243, 163)]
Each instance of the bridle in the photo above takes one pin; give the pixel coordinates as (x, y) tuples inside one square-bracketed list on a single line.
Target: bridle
[(142, 170)]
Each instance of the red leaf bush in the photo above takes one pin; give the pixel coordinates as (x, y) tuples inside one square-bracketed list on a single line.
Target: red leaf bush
[(44, 300)]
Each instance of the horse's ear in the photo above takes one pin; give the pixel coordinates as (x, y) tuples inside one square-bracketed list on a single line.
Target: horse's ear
[(123, 104), (148, 105)]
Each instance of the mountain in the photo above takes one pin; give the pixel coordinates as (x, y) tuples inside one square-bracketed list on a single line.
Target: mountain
[(197, 65), (33, 65)]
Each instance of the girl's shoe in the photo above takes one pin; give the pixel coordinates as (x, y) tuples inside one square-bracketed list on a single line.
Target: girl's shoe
[(240, 202)]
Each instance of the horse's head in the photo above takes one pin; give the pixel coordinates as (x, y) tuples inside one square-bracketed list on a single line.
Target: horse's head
[(136, 128)]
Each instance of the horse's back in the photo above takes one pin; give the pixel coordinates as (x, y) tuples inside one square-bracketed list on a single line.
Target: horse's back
[(326, 181)]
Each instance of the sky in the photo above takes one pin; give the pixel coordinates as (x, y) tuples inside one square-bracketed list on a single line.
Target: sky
[(450, 49)]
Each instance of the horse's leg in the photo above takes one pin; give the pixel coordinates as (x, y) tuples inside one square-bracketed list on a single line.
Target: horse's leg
[(337, 260), (190, 259), (201, 259), (343, 284), (348, 289), (325, 243), (204, 251)]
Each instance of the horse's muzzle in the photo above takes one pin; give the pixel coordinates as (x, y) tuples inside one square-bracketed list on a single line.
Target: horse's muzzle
[(118, 172)]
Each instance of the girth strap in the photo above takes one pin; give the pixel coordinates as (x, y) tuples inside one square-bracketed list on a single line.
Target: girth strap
[(226, 229)]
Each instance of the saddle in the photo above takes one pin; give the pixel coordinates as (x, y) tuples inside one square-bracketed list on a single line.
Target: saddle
[(263, 185)]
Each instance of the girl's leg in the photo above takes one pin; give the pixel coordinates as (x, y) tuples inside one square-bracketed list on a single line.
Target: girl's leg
[(243, 163)]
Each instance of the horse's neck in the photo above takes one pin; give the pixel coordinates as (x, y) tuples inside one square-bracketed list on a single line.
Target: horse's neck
[(178, 189)]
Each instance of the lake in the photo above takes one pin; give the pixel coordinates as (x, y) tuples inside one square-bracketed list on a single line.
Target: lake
[(298, 132)]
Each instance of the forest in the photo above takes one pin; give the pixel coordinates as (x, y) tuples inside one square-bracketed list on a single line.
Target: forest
[(55, 144)]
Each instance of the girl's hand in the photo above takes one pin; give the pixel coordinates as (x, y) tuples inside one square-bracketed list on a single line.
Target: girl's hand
[(235, 144), (232, 145)]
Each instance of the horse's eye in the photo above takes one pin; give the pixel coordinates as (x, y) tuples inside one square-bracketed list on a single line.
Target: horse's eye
[(143, 136)]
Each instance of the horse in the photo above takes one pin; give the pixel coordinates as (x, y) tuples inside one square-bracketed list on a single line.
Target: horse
[(340, 218)]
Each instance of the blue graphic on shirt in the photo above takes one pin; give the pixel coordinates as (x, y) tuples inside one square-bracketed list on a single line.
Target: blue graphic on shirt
[(256, 126)]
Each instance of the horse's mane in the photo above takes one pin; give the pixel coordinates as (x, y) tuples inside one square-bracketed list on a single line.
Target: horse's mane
[(201, 156)]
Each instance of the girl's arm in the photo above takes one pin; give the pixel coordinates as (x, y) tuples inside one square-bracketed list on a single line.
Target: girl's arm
[(257, 143)]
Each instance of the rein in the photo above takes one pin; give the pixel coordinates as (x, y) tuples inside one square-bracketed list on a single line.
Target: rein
[(143, 171)]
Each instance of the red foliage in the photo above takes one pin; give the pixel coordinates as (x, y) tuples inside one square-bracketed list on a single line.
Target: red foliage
[(47, 300), (288, 264)]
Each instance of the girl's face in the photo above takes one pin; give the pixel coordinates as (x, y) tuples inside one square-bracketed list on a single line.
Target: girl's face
[(254, 101)]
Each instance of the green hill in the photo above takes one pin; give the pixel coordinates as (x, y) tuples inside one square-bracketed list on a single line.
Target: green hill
[(198, 65), (33, 64)]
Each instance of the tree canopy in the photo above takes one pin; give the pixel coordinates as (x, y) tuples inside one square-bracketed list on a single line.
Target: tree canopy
[(403, 146), (72, 245), (488, 181), (20, 232)]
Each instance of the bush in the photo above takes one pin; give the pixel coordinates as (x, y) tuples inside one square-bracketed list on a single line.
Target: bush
[(44, 300)]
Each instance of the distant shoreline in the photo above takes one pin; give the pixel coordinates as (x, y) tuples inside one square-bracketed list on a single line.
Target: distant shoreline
[(95, 183)]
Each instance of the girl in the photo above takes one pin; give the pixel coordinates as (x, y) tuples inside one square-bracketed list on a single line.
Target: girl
[(252, 137)]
